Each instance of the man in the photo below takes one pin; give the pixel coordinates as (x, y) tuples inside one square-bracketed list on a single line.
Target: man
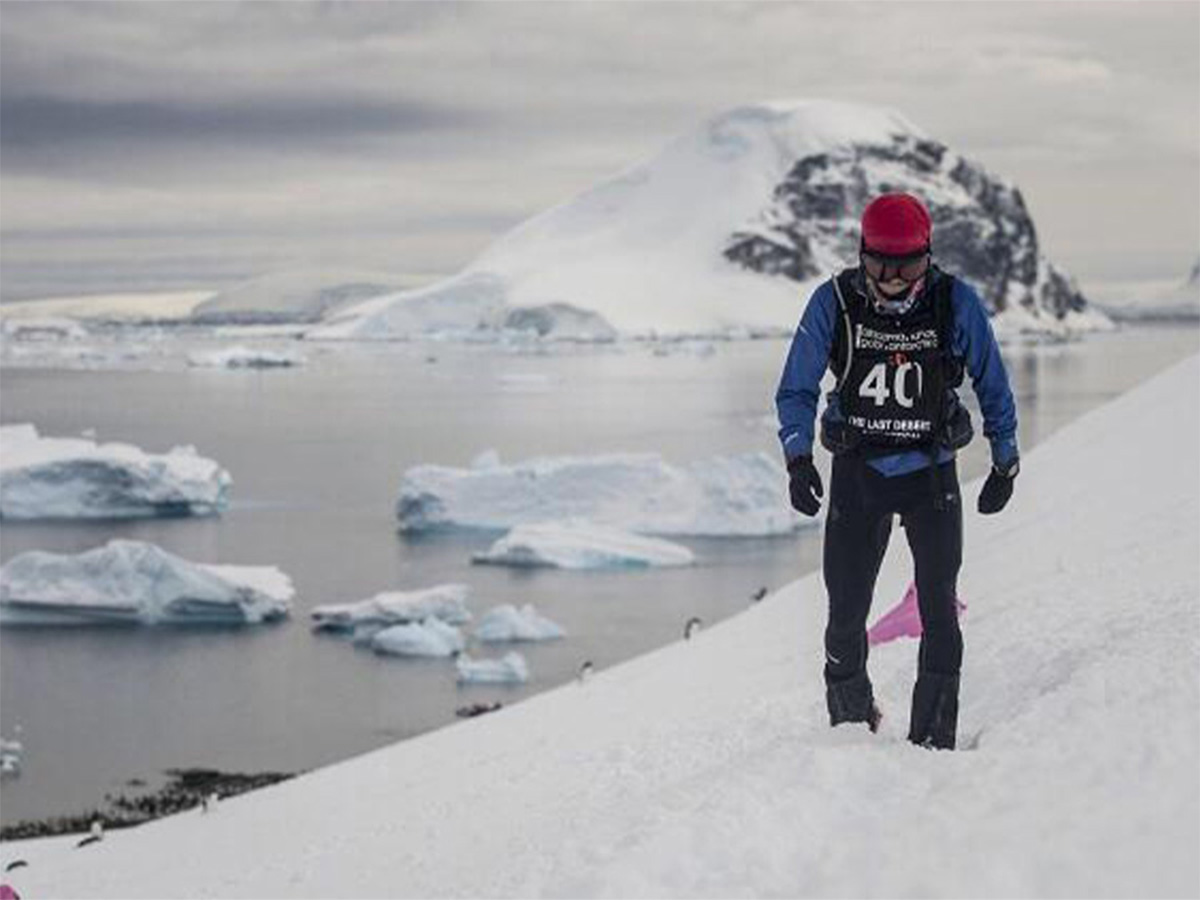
[(897, 333)]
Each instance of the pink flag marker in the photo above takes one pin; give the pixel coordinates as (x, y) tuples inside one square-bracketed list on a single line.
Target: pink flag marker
[(902, 620)]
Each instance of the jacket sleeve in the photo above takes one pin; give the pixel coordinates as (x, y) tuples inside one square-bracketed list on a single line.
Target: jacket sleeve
[(975, 342), (800, 385)]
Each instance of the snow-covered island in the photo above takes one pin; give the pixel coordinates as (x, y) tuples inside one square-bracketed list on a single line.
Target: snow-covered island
[(722, 233), (727, 230), (303, 294), (708, 767), (76, 478), (578, 544), (740, 495), (132, 582)]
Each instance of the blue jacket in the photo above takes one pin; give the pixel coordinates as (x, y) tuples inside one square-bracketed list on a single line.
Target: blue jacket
[(973, 342)]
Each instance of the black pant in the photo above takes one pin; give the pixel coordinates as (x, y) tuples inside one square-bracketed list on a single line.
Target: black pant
[(861, 505)]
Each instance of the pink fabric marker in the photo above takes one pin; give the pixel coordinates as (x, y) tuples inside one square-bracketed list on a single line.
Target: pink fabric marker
[(902, 620)]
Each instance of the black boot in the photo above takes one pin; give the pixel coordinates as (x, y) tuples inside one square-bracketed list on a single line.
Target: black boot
[(852, 700), (934, 711)]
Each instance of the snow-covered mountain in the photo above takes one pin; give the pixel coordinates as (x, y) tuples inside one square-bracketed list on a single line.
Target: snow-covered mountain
[(729, 227)]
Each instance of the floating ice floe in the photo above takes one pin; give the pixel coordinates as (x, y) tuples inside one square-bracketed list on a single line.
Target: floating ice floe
[(576, 544), (526, 382), (42, 328), (723, 496), (431, 637), (10, 757), (74, 356), (447, 602), (507, 623), (509, 669), (684, 348), (132, 582), (241, 357), (77, 478)]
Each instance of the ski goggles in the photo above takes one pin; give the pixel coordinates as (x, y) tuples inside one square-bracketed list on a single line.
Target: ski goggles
[(887, 268)]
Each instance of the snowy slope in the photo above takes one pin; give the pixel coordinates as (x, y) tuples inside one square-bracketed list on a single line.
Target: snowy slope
[(296, 295), (730, 226), (707, 768)]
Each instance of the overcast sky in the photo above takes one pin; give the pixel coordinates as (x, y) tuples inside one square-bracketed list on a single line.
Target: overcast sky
[(189, 143)]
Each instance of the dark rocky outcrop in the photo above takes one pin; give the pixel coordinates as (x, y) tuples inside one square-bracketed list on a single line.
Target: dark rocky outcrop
[(982, 229)]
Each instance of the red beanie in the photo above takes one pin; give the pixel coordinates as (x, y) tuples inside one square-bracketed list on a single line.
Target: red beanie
[(895, 225)]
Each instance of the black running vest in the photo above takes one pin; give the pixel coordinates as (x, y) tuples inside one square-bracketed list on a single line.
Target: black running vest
[(896, 375)]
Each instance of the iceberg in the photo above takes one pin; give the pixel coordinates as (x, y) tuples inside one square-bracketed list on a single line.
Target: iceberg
[(10, 757), (555, 321), (79, 479), (741, 495), (133, 582), (446, 602), (431, 637), (507, 623), (240, 357), (510, 669), (577, 544)]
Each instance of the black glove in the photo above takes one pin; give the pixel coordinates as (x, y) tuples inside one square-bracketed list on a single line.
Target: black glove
[(998, 488), (805, 485)]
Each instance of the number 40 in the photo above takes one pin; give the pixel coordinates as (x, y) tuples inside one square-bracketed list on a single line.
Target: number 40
[(875, 384)]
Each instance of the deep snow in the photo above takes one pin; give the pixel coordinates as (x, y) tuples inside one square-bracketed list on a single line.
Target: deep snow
[(707, 767)]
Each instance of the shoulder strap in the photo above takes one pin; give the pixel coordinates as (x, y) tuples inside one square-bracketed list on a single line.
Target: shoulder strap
[(842, 354), (943, 310)]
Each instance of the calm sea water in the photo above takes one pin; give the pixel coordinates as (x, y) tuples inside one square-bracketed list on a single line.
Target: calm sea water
[(317, 454)]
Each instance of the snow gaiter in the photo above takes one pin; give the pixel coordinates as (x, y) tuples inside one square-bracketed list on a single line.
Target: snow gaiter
[(934, 721), (852, 700)]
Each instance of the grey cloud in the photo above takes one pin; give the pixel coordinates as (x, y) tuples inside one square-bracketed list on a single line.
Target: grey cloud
[(35, 130), (123, 114)]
